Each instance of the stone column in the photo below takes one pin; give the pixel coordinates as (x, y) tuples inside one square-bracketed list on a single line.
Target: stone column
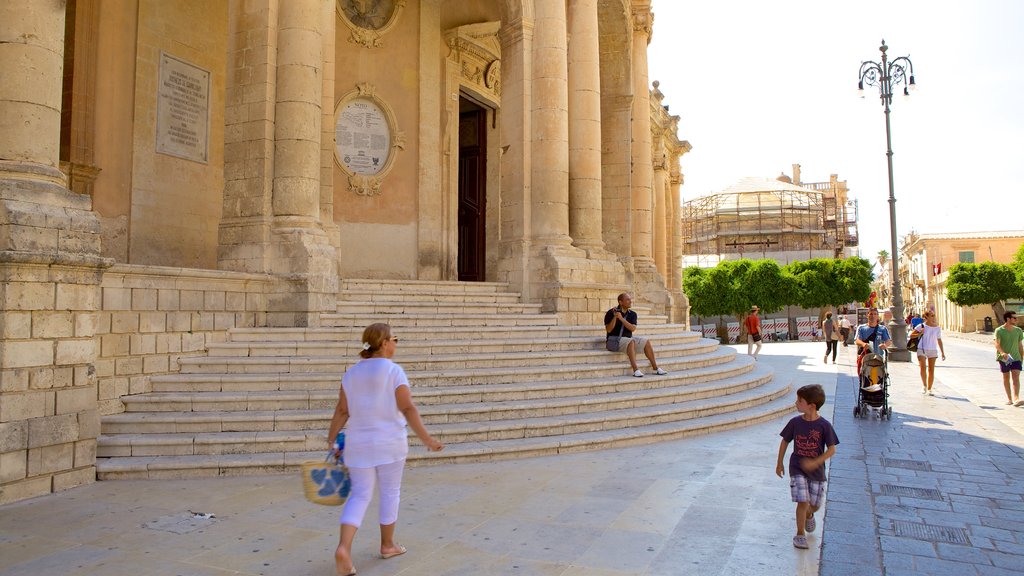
[(298, 114), (50, 271), (549, 215), (301, 250), (662, 212), (643, 172), (516, 81), (584, 126), (329, 18)]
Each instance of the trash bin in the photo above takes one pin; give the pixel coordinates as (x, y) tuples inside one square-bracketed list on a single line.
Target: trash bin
[(988, 323)]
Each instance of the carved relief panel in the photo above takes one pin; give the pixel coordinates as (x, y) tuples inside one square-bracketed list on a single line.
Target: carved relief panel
[(368, 20)]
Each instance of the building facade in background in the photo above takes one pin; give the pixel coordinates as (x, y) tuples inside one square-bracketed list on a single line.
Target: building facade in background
[(925, 260)]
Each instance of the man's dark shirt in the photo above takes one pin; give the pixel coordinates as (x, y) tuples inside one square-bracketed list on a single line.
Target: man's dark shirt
[(630, 317)]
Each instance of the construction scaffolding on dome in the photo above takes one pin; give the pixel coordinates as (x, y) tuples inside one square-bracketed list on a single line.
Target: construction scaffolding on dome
[(768, 218)]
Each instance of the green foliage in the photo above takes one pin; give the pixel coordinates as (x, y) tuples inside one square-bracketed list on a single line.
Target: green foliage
[(831, 282), (733, 286), (1018, 266), (986, 283)]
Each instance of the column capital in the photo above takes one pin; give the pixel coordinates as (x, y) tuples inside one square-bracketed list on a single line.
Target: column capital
[(643, 20)]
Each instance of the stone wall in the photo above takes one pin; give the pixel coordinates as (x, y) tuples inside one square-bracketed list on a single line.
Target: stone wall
[(151, 317)]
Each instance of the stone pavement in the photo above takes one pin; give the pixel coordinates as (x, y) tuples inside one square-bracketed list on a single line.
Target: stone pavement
[(939, 489), (708, 505)]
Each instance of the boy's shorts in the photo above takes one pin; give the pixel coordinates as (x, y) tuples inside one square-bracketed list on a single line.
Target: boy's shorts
[(804, 489)]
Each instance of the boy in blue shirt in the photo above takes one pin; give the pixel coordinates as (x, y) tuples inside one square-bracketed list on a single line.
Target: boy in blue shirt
[(815, 442)]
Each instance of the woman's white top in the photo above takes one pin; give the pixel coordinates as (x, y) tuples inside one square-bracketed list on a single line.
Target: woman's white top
[(375, 433), (930, 337)]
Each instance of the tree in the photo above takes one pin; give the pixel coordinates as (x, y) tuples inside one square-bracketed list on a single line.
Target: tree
[(986, 283), (883, 257), (733, 286), (831, 281)]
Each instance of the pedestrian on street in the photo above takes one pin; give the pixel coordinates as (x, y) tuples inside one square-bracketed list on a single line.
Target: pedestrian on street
[(830, 328), (1009, 340), (376, 404), (844, 330), (928, 348), (753, 326), (814, 442)]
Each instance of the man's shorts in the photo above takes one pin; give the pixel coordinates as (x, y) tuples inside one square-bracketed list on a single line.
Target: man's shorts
[(640, 343), (1008, 367), (803, 489), (928, 353)]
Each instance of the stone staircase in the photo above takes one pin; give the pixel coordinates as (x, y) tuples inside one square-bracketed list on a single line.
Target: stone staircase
[(492, 377)]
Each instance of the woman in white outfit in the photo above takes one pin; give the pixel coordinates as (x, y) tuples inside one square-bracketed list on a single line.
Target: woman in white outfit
[(375, 403), (928, 348)]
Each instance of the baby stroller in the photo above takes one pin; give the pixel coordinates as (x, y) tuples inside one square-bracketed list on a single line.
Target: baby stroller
[(873, 387)]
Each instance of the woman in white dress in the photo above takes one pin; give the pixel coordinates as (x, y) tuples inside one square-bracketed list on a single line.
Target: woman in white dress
[(375, 403)]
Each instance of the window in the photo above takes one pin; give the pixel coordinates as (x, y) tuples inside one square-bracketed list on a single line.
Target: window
[(967, 256)]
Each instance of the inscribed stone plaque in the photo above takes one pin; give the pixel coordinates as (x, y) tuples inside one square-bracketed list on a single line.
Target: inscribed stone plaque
[(183, 110), (363, 137)]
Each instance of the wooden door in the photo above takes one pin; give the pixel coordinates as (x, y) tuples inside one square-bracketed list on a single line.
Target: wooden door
[(472, 192)]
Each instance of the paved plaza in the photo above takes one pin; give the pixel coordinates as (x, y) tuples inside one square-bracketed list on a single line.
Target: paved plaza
[(938, 490)]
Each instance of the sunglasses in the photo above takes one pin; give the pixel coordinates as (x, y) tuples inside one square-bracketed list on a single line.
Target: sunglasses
[(394, 339)]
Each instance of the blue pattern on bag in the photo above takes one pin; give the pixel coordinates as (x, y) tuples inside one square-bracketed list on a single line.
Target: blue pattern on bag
[(335, 481)]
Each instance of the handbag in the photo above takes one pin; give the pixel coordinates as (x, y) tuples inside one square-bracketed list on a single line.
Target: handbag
[(327, 482), (611, 342), (915, 337)]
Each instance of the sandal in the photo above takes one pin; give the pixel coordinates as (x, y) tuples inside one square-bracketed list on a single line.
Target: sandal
[(800, 541), (810, 525), (401, 550)]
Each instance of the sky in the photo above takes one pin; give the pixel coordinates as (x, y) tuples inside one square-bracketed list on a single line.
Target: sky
[(760, 86)]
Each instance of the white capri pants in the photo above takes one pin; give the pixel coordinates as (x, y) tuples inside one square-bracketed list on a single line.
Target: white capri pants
[(363, 481)]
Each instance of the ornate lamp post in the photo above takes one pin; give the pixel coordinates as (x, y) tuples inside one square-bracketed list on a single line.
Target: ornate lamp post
[(885, 76)]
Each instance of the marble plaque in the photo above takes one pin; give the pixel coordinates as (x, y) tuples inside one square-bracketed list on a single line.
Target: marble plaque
[(183, 110), (362, 137)]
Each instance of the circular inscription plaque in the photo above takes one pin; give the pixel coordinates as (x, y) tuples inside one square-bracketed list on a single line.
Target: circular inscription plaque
[(363, 137)]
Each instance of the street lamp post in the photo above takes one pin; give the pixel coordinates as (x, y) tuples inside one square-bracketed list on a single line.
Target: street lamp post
[(885, 76)]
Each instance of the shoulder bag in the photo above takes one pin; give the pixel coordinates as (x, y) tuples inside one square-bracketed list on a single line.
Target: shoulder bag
[(611, 342)]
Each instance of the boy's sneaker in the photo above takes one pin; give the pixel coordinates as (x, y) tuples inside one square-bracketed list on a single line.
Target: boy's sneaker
[(810, 525), (800, 542), (638, 374), (660, 372)]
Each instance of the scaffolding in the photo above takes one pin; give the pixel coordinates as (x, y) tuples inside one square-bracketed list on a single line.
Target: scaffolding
[(762, 218)]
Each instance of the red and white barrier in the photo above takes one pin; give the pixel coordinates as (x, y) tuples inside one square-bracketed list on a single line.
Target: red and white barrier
[(779, 326), (805, 327), (734, 330), (709, 331)]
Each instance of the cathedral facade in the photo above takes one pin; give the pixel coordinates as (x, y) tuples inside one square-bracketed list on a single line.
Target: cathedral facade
[(173, 169)]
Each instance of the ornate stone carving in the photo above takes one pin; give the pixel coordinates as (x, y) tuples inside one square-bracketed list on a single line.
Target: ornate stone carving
[(476, 52), (643, 20), (369, 20)]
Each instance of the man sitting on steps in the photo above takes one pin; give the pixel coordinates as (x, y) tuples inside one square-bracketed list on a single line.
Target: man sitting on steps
[(621, 322)]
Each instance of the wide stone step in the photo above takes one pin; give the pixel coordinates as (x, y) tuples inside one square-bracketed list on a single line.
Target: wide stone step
[(422, 286), (330, 381), (470, 369), (446, 308), (193, 466), (433, 347), (361, 320), (429, 297), (481, 396), (475, 333), (546, 418)]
